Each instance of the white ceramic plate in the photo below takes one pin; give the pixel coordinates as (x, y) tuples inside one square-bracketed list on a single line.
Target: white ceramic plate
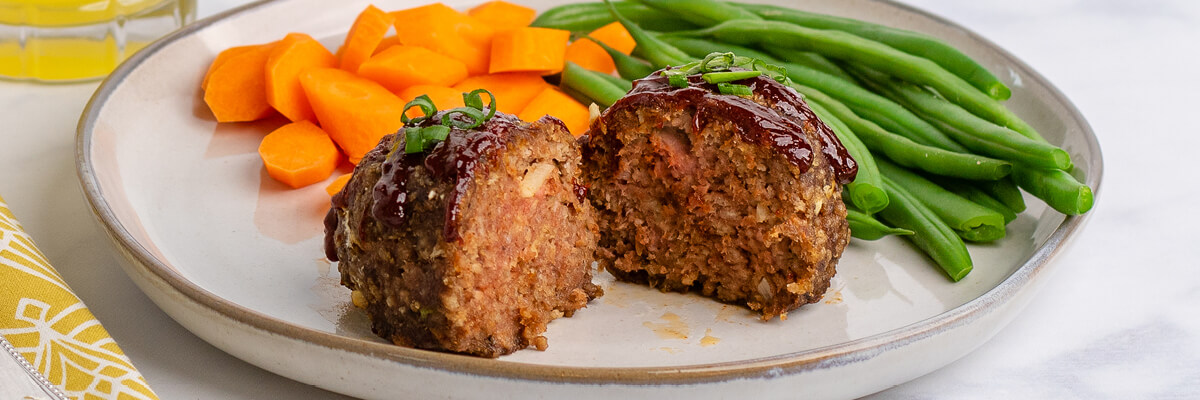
[(237, 259)]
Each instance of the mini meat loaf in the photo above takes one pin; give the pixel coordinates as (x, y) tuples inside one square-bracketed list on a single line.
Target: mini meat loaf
[(472, 247), (736, 197)]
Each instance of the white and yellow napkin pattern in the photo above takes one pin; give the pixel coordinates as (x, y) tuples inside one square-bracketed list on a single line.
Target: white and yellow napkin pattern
[(43, 319)]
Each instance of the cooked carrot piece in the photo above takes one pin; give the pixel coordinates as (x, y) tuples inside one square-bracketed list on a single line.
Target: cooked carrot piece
[(236, 89), (447, 31), (385, 44), (537, 50), (223, 57), (336, 186), (364, 37), (444, 98), (355, 111), (295, 53), (299, 154), (555, 103), (513, 90), (591, 56), (502, 15), (402, 66)]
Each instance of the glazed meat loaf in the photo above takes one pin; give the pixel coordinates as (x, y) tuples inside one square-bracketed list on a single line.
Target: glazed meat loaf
[(736, 197), (471, 247)]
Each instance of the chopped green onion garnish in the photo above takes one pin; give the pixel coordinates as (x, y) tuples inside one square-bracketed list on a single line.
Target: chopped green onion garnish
[(729, 76), (421, 139), (678, 80), (424, 103), (414, 142), (435, 133), (476, 115), (734, 89)]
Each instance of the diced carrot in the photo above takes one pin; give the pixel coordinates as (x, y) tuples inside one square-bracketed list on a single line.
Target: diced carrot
[(590, 55), (444, 98), (355, 111), (364, 37), (447, 31), (502, 15), (555, 103), (537, 50), (513, 90), (385, 44), (402, 66), (224, 56), (236, 89), (299, 154), (336, 186), (295, 53)]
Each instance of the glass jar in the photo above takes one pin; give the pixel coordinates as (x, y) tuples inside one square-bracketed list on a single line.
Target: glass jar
[(78, 40)]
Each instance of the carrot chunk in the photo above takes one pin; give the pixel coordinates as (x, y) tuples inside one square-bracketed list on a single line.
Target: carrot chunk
[(236, 89), (502, 15), (295, 53), (444, 98), (557, 104), (513, 90), (355, 111), (336, 186), (385, 44), (364, 37), (447, 31), (299, 154), (537, 50), (590, 55), (402, 66), (224, 57)]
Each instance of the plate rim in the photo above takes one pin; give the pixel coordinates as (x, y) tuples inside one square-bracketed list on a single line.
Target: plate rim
[(773, 366)]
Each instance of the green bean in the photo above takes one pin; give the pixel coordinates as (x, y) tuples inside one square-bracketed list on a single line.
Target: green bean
[(865, 227), (906, 152), (972, 221), (1057, 188), (914, 43), (628, 67), (650, 47), (586, 17), (622, 83), (590, 84), (866, 191), (976, 133), (1006, 191), (702, 12), (848, 47), (808, 59), (878, 109), (977, 195), (931, 234)]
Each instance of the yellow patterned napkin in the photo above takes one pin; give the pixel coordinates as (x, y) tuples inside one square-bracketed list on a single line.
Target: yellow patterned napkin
[(43, 319)]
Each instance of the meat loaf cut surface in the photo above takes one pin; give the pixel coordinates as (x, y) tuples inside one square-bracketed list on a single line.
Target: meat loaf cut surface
[(471, 247), (735, 197)]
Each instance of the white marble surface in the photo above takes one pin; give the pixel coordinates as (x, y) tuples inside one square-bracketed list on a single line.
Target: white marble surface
[(1120, 317)]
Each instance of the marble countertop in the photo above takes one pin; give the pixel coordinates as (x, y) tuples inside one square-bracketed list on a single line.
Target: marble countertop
[(1120, 317)]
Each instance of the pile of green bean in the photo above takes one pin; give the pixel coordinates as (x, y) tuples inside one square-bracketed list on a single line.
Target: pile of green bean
[(941, 159)]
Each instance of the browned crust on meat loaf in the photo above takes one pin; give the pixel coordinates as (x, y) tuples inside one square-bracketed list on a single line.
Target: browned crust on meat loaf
[(518, 263), (711, 211)]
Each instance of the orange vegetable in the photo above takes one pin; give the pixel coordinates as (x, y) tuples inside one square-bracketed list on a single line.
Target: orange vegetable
[(385, 44), (444, 98), (364, 37), (444, 30), (538, 50), (402, 66), (295, 53), (502, 15), (355, 111), (513, 90), (236, 89), (223, 57), (337, 184), (553, 102), (299, 154), (591, 56)]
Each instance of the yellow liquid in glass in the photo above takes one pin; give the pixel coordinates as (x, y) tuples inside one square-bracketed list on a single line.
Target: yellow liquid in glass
[(69, 40)]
